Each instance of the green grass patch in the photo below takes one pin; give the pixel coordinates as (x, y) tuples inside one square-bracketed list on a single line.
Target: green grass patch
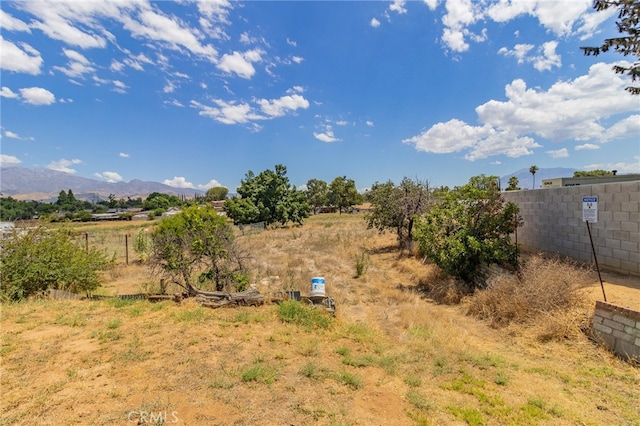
[(293, 312), (471, 416), (260, 373), (351, 380)]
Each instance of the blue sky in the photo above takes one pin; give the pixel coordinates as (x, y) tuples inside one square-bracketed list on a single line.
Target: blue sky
[(197, 93)]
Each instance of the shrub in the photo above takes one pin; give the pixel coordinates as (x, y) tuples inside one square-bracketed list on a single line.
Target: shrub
[(471, 226), (142, 245), (38, 259), (546, 291)]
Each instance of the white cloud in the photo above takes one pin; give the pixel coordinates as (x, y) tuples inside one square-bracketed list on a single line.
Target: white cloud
[(559, 153), (178, 182), (174, 102), (519, 51), (211, 184), (508, 126), (558, 17), (545, 60), (591, 21), (398, 6), (241, 63), (370, 123), (111, 177), (548, 58), (63, 165), (588, 146), (116, 66), (481, 141), (633, 167), (374, 23), (9, 23), (460, 14), (5, 92), (227, 112), (37, 96), (123, 155), (11, 135), (22, 58), (279, 107), (627, 128), (8, 159), (431, 4), (77, 66), (326, 135), (169, 30)]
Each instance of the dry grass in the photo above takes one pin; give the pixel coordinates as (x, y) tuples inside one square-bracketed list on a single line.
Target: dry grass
[(391, 356), (547, 295)]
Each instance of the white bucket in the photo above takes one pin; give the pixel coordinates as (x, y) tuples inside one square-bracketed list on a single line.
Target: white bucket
[(317, 286)]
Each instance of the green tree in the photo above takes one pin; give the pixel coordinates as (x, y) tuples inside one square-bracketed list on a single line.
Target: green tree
[(63, 199), (317, 193), (343, 193), (157, 200), (197, 246), (470, 226), (217, 193), (533, 170), (38, 259), (397, 207), (628, 44), (12, 209), (268, 197), (513, 184), (589, 173)]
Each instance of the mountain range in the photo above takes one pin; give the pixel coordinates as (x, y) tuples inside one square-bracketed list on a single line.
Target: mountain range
[(45, 185)]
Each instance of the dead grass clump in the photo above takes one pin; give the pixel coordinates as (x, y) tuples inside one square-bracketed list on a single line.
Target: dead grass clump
[(442, 288), (547, 294)]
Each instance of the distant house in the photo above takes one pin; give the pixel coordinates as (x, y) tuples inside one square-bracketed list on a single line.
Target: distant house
[(218, 205), (587, 180)]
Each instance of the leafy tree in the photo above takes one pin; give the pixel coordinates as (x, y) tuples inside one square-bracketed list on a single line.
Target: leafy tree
[(629, 44), (343, 193), (157, 200), (589, 173), (396, 207), (533, 170), (12, 209), (217, 193), (268, 197), (197, 246), (513, 184), (38, 259), (469, 227), (317, 193)]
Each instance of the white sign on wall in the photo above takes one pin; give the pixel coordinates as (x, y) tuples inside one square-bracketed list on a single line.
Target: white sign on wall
[(590, 209)]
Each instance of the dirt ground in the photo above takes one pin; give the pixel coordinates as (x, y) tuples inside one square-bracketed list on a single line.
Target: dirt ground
[(619, 289)]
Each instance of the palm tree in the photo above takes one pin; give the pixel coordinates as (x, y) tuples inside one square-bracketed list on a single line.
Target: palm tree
[(533, 170)]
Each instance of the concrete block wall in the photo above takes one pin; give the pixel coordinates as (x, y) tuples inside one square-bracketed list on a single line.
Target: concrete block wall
[(618, 329), (553, 223)]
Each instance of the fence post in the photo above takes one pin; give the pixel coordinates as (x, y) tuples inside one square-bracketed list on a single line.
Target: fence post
[(86, 242), (126, 248)]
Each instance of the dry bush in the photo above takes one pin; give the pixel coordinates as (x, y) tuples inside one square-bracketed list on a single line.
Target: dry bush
[(442, 288), (547, 295)]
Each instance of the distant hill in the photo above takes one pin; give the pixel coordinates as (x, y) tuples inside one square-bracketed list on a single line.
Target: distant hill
[(44, 184), (525, 179)]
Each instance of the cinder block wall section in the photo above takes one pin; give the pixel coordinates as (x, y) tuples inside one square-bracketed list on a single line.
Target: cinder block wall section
[(618, 328), (553, 223)]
